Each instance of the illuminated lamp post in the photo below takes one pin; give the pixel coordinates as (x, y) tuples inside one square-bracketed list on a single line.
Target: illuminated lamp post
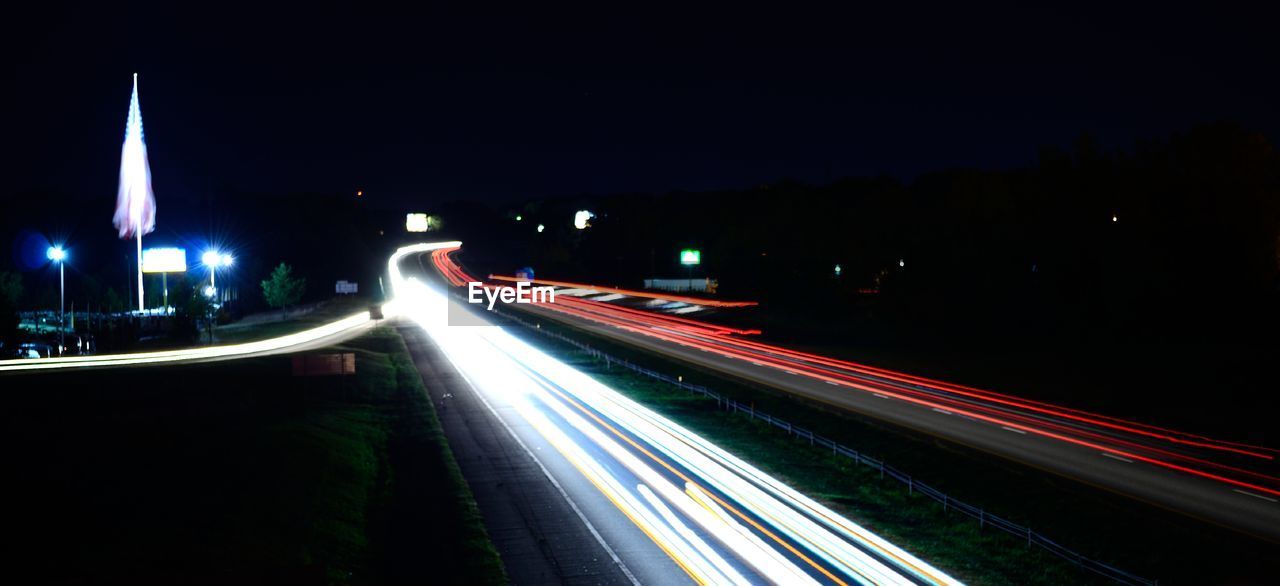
[(59, 255), (213, 259)]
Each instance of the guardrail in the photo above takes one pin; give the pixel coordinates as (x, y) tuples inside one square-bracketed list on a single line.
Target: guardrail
[(984, 518)]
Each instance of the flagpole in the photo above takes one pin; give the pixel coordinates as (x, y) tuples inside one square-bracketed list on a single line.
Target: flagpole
[(140, 307)]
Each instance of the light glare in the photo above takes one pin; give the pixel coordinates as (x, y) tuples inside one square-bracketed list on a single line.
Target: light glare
[(690, 257), (415, 223)]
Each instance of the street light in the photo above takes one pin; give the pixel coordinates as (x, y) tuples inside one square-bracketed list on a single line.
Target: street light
[(214, 259), (59, 255)]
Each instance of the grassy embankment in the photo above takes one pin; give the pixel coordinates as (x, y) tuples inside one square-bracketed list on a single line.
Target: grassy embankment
[(238, 472), (274, 323), (1101, 525)]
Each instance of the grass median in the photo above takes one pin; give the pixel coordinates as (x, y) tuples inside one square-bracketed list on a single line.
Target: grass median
[(239, 472)]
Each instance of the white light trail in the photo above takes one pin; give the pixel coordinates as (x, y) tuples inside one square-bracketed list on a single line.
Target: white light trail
[(692, 488), (279, 344)]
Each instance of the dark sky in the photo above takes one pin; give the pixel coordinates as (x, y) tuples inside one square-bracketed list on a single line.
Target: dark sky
[(506, 102)]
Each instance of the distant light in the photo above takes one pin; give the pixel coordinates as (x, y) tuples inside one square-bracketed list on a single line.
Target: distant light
[(416, 222), (581, 219), (519, 217), (838, 269), (1114, 218), (359, 193), (56, 253), (902, 262), (690, 257), (215, 259), (209, 291), (164, 260), (541, 228)]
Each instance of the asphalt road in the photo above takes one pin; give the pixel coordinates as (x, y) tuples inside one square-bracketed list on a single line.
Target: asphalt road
[(669, 504), (1203, 498), (536, 518)]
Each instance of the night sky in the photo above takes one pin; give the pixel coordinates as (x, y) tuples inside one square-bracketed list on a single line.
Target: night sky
[(502, 102)]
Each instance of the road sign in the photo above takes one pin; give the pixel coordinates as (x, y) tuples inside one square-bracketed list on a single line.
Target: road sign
[(690, 257), (346, 288)]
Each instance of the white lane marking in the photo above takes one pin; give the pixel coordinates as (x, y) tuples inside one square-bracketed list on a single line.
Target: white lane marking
[(879, 395), (831, 382), (1115, 457), (790, 372), (756, 363), (1257, 496), (942, 411), (1013, 430), (556, 483)]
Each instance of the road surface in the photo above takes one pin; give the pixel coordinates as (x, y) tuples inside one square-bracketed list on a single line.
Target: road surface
[(640, 480), (1226, 483)]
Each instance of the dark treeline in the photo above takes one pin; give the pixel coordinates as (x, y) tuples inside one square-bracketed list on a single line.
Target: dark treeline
[(1175, 237)]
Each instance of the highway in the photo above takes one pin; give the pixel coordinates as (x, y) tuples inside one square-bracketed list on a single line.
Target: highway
[(716, 518), (313, 339), (1222, 482)]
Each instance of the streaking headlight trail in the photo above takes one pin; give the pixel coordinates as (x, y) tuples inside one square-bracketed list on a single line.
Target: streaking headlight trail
[(720, 519), (281, 344)]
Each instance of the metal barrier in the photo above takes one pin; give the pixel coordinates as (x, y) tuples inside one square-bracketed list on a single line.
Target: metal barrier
[(985, 519)]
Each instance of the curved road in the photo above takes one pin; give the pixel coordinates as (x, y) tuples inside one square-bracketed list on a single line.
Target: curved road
[(1229, 484), (717, 518)]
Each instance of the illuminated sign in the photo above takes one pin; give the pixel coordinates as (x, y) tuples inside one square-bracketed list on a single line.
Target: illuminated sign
[(690, 257), (164, 260), (418, 222)]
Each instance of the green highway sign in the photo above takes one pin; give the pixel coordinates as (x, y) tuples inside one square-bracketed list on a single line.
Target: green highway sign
[(690, 256)]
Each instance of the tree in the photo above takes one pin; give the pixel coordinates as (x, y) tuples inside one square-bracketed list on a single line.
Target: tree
[(111, 301), (283, 289), (10, 293)]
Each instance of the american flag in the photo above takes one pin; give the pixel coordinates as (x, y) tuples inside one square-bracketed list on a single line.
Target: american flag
[(135, 203)]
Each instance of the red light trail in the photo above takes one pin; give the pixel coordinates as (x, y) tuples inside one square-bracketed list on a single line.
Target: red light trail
[(1138, 441)]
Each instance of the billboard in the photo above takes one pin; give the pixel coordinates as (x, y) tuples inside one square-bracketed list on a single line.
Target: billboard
[(690, 257), (164, 260), (419, 222), (416, 223)]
